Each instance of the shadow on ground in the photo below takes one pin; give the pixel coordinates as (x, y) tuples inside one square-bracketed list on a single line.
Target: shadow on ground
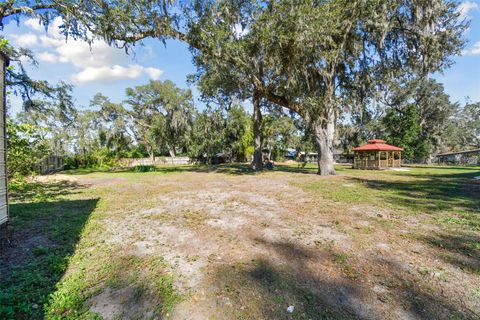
[(453, 201), (265, 287), (430, 193), (41, 191), (460, 249), (134, 287), (440, 167), (45, 234)]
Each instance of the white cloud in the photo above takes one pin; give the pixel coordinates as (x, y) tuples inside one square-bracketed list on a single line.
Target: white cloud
[(97, 62), (26, 39), (34, 24), (46, 41), (465, 7), (154, 73), (114, 73), (47, 57), (82, 55), (473, 51)]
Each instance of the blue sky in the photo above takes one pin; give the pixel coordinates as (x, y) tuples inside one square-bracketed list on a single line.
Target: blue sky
[(462, 80), (109, 71)]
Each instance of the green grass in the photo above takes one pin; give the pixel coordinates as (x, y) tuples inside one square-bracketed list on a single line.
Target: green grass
[(56, 228), (54, 225), (449, 194)]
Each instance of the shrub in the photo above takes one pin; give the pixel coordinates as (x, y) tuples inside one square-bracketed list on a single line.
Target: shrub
[(144, 168), (25, 149)]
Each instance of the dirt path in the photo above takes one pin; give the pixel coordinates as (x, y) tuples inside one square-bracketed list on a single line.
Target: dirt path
[(252, 246)]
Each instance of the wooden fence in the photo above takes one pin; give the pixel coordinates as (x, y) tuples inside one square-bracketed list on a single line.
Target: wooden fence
[(51, 164)]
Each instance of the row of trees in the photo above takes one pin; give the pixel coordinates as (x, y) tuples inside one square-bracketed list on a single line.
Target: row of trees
[(319, 59), (155, 119), (159, 119)]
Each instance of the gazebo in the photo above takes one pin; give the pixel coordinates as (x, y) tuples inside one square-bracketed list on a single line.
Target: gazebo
[(377, 155)]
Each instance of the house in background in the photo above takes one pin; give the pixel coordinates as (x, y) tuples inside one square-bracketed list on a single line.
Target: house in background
[(290, 154), (51, 164), (460, 157), (338, 157)]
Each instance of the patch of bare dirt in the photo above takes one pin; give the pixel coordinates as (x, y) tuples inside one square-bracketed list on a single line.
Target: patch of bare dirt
[(122, 303), (57, 177)]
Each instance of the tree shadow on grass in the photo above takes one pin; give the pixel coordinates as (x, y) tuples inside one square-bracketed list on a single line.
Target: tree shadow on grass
[(245, 169), (460, 249), (453, 202), (266, 286), (416, 293), (133, 287), (440, 167), (45, 234), (41, 191), (451, 173), (430, 193)]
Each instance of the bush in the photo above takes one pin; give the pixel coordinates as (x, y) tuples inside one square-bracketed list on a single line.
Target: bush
[(144, 168), (25, 149)]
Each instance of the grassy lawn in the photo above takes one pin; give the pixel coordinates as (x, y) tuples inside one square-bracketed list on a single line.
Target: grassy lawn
[(223, 242)]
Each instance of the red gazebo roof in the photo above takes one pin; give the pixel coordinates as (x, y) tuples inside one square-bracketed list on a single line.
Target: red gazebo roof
[(377, 145)]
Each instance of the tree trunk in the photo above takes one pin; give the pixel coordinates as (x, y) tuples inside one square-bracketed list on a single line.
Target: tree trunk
[(257, 133), (429, 158), (152, 155), (171, 151), (324, 131)]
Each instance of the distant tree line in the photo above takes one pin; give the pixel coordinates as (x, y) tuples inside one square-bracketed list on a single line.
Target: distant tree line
[(156, 119), (160, 119)]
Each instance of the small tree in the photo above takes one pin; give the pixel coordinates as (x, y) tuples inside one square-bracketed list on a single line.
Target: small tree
[(54, 119), (25, 149), (426, 101), (279, 132), (111, 123), (467, 127), (237, 133), (403, 129), (207, 136)]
